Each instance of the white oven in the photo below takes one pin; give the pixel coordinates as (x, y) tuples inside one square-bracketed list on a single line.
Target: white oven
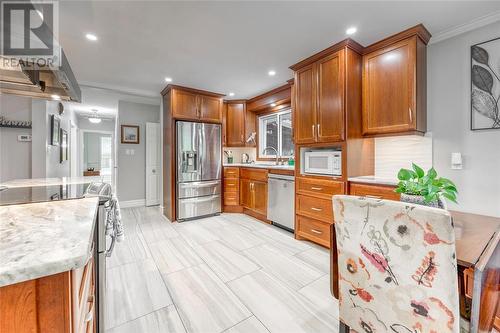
[(323, 162)]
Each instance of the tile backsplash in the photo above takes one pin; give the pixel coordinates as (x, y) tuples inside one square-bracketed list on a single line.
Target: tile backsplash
[(394, 153)]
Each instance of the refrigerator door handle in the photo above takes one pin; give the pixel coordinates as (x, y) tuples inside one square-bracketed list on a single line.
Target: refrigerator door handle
[(200, 149)]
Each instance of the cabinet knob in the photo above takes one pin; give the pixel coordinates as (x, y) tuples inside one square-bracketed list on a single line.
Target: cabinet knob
[(316, 209), (316, 231)]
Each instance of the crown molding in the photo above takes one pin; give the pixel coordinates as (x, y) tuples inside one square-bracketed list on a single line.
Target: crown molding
[(463, 28)]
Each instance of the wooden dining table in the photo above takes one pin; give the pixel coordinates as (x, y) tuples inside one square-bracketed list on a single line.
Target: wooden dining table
[(473, 232)]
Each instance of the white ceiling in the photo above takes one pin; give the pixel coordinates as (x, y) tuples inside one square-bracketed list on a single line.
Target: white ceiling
[(230, 46), (105, 102)]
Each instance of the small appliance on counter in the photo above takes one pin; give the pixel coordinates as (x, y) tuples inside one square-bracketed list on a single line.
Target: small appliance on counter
[(245, 159)]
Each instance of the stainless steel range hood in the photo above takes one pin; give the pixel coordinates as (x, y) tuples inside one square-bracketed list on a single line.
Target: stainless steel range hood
[(39, 82), (25, 75)]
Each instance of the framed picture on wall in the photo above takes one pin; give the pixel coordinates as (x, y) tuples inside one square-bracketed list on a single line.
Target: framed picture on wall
[(485, 85), (130, 134), (64, 146), (55, 127)]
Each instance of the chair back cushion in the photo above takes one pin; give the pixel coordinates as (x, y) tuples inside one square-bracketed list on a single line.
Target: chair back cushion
[(397, 266)]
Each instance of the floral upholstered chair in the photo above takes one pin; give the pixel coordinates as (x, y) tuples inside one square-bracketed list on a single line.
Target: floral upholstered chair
[(397, 267)]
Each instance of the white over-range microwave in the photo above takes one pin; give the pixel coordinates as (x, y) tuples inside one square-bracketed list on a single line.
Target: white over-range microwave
[(323, 162)]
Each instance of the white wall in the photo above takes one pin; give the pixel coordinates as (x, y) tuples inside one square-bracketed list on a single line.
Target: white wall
[(54, 166), (105, 125), (131, 182), (15, 156), (448, 104)]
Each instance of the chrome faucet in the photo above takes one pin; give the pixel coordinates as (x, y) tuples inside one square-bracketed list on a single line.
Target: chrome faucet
[(276, 151)]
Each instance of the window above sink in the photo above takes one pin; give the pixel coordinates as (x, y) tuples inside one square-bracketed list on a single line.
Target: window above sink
[(276, 131)]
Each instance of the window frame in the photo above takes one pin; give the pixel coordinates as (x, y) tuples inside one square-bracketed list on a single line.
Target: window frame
[(262, 141)]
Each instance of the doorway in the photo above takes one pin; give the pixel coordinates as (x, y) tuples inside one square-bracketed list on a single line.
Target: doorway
[(97, 155)]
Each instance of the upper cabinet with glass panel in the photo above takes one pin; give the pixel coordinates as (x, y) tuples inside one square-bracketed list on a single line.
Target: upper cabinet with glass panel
[(275, 135)]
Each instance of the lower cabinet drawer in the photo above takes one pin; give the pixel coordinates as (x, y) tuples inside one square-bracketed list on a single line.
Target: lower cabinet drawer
[(378, 191), (231, 199), (314, 230), (316, 208), (231, 172), (319, 187), (231, 185)]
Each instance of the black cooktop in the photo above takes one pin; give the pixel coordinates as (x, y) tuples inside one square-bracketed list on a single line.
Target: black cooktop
[(20, 195)]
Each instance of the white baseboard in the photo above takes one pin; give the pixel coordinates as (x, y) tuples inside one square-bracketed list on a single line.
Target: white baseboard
[(133, 203)]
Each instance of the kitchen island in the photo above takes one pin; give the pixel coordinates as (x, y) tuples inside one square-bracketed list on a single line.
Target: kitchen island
[(47, 279)]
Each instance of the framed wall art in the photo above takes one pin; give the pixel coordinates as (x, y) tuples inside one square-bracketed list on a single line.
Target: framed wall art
[(55, 127), (485, 85), (64, 146), (130, 134)]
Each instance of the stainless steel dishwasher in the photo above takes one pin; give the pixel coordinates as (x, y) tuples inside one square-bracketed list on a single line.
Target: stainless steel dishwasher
[(281, 201)]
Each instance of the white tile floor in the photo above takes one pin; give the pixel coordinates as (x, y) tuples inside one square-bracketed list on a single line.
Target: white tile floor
[(229, 273)]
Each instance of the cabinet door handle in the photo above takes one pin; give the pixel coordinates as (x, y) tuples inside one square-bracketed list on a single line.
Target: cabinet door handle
[(316, 209), (411, 115), (242, 138), (317, 129), (316, 231), (316, 188), (313, 130)]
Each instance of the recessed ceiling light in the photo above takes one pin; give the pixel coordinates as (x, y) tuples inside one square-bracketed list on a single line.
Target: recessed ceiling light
[(271, 73), (351, 30), (56, 97), (91, 37), (231, 94), (273, 104), (168, 79)]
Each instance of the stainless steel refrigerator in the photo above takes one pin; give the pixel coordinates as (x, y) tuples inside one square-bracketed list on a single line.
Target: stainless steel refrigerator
[(199, 169)]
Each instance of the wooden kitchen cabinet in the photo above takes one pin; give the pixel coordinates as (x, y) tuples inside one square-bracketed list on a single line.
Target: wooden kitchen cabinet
[(193, 104), (232, 190), (321, 93), (58, 303), (374, 190), (210, 108), (314, 209), (253, 192), (246, 193), (305, 105), (394, 84), (330, 94), (259, 197), (235, 124), (185, 104)]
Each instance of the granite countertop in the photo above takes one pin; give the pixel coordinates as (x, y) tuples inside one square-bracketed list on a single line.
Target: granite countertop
[(374, 180), (261, 166), (49, 181), (46, 238)]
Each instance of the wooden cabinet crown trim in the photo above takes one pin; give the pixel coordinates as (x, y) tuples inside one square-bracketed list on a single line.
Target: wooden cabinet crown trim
[(192, 90), (418, 30), (350, 43)]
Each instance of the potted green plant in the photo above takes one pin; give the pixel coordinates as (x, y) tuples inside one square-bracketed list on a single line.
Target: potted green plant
[(427, 189)]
